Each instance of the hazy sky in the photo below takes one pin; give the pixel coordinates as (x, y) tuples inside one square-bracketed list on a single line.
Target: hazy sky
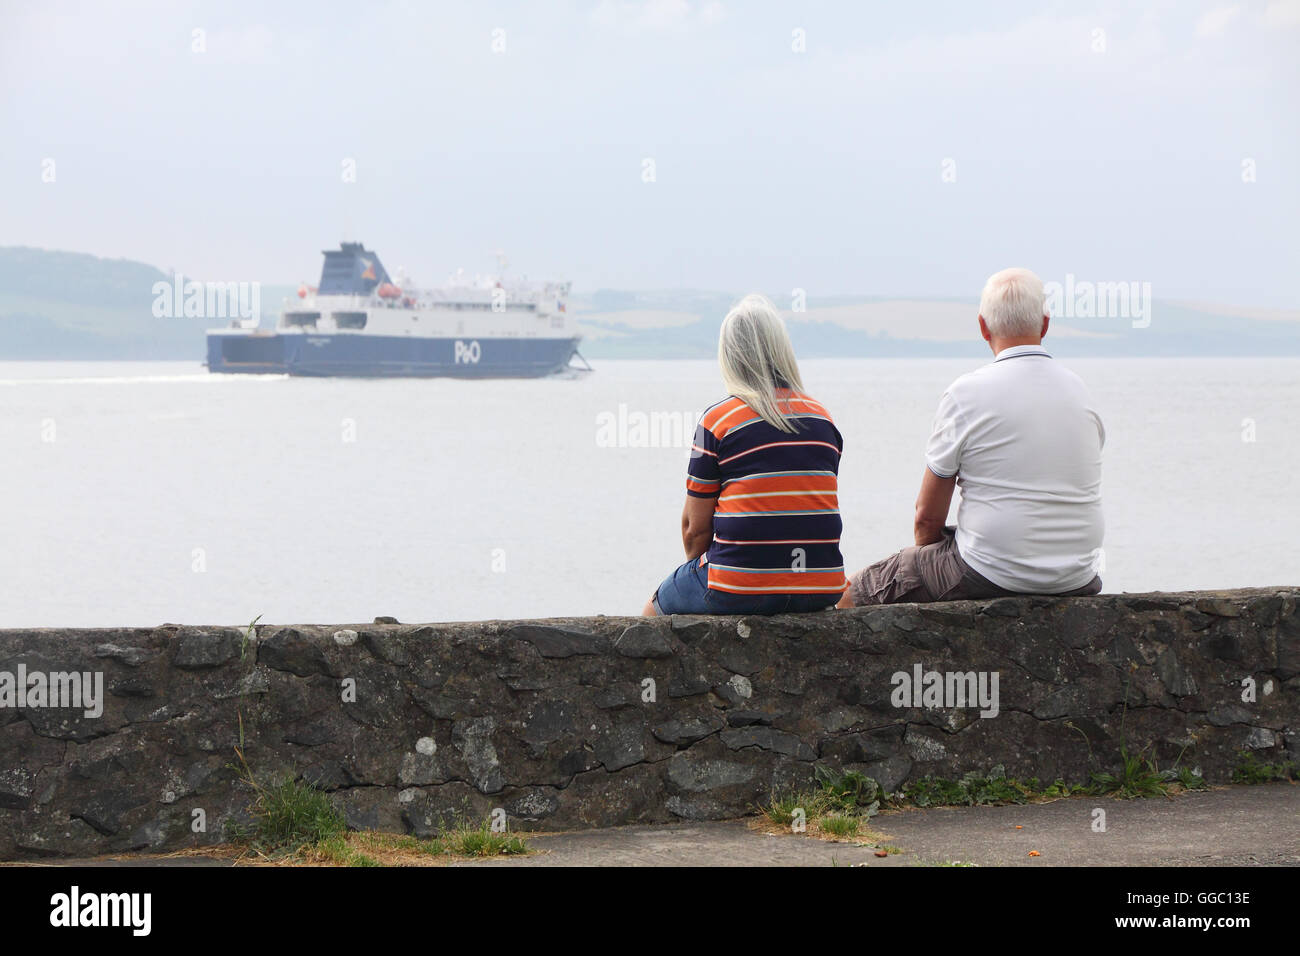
[(1101, 139)]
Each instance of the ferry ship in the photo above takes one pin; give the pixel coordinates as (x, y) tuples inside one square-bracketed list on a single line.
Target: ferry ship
[(361, 322)]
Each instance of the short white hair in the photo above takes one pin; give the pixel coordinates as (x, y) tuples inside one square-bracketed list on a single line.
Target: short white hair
[(756, 358), (1013, 303)]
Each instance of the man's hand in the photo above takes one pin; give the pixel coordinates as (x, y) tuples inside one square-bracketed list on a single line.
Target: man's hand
[(697, 525), (932, 507)]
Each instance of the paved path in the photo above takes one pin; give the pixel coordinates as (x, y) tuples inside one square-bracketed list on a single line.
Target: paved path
[(1235, 826), (1227, 826), (1230, 826)]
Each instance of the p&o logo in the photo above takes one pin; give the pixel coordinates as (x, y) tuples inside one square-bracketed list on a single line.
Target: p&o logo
[(468, 353)]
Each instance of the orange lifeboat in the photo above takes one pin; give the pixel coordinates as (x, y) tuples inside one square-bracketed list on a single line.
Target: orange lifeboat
[(387, 290)]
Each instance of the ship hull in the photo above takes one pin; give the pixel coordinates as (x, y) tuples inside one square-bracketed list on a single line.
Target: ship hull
[(258, 353), (388, 356)]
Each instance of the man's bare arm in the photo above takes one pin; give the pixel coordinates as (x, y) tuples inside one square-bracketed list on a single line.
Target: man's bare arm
[(932, 507), (697, 525)]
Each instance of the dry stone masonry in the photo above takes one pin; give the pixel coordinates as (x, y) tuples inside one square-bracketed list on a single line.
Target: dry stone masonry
[(603, 721)]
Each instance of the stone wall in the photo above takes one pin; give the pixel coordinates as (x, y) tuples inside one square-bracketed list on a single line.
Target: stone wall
[(602, 721)]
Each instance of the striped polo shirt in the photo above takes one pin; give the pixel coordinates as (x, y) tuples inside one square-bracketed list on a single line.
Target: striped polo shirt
[(776, 525)]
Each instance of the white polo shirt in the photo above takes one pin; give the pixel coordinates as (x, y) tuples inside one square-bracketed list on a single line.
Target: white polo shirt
[(1024, 440)]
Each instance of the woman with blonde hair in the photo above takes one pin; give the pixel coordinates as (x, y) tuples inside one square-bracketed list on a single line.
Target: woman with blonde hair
[(761, 526)]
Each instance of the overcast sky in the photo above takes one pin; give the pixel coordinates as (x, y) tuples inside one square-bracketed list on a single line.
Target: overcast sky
[(1107, 140)]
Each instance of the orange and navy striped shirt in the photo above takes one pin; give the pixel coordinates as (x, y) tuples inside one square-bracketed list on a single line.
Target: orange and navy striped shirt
[(776, 525)]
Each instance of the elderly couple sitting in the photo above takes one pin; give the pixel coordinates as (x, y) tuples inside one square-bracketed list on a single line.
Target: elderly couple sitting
[(1020, 436)]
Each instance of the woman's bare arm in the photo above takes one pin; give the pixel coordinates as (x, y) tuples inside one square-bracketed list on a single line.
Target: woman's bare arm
[(697, 525)]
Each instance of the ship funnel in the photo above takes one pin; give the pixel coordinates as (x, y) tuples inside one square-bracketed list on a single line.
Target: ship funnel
[(351, 270)]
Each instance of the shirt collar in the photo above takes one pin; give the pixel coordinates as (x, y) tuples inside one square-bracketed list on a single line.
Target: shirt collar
[(1018, 350)]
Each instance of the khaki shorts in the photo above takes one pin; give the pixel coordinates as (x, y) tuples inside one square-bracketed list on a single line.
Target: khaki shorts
[(931, 572)]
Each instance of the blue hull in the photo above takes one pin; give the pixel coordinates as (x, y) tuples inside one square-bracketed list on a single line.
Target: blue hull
[(384, 356)]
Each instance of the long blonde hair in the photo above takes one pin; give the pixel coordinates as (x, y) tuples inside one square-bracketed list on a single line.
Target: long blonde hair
[(756, 358)]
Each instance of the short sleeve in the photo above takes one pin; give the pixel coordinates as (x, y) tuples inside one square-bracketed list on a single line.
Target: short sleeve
[(943, 450), (703, 479)]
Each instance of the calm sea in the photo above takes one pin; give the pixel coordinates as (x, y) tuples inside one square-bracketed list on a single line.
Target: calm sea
[(138, 493)]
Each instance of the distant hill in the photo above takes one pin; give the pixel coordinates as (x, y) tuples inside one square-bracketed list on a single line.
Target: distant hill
[(57, 305), (685, 325), (68, 305)]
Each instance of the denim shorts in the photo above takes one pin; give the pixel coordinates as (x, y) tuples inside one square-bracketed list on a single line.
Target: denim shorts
[(687, 591)]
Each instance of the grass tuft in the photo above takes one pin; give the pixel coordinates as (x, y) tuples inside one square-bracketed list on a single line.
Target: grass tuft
[(840, 824), (781, 808), (1250, 770), (848, 792), (837, 809), (293, 821), (484, 841), (291, 814)]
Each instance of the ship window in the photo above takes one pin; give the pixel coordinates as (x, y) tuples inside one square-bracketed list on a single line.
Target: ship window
[(350, 320), (306, 320)]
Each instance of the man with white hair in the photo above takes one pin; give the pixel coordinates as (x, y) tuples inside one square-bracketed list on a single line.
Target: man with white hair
[(1021, 438)]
